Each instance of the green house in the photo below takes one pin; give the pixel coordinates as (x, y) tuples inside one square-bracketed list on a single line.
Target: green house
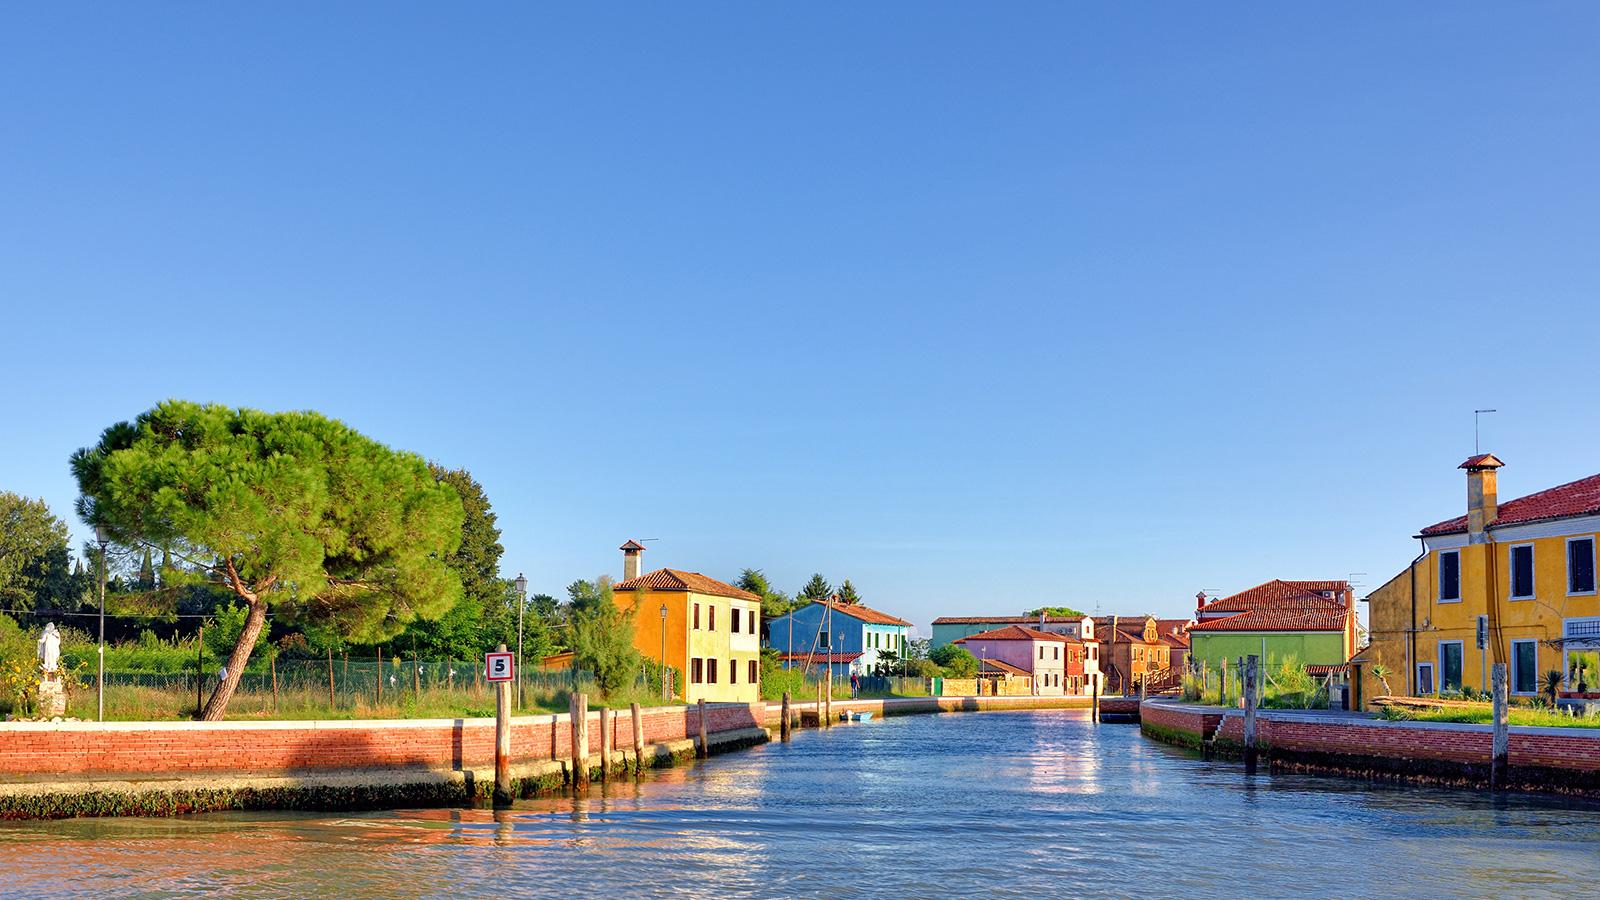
[(1313, 622)]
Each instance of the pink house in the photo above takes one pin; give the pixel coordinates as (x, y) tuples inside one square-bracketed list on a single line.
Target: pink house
[(1041, 654)]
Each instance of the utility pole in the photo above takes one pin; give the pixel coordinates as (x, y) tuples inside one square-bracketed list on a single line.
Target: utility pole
[(101, 537), (521, 584)]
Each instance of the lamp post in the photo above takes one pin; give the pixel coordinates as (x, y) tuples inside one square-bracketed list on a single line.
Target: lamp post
[(522, 606), (101, 537), (664, 696)]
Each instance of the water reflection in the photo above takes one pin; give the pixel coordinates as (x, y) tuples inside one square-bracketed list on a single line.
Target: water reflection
[(995, 803)]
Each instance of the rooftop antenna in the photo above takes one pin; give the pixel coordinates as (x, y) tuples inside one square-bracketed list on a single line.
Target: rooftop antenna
[(1475, 415)]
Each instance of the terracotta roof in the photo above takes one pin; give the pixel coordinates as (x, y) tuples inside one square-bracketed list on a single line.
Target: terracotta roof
[(865, 613), (1102, 628), (1001, 667), (819, 658), (1279, 594), (1005, 620), (1276, 620), (1482, 461), (1324, 670), (675, 580), (1575, 498), (1175, 640), (1017, 633), (631, 545)]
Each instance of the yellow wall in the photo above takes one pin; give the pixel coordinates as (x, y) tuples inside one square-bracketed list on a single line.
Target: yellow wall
[(685, 643), (1485, 590)]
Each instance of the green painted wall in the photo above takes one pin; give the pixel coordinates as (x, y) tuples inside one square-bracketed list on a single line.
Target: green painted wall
[(1310, 648)]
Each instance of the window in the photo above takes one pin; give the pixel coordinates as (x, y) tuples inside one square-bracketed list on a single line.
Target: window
[(696, 671), (754, 672), (1449, 576), (697, 617), (1521, 571), (711, 625), (822, 640), (1041, 652), (1055, 653), (1580, 565), (752, 621), (1449, 666), (711, 670), (1424, 678), (1524, 667), (733, 671), (735, 618)]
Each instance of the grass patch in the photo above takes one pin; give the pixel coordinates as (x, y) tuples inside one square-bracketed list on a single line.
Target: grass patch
[(1483, 714)]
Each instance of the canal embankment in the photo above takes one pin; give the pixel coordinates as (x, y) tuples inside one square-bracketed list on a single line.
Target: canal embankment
[(64, 769), (1545, 760)]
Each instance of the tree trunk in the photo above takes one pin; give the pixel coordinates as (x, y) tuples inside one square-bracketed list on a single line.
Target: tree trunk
[(253, 622)]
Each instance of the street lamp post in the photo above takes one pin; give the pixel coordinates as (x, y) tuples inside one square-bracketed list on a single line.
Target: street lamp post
[(101, 537), (664, 696), (522, 606)]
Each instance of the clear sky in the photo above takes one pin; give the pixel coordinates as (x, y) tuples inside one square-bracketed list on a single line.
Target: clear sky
[(980, 305)]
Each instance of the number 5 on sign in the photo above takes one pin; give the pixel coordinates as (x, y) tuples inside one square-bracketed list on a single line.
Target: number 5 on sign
[(498, 667)]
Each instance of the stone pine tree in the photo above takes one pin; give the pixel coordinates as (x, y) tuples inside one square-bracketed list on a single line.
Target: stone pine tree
[(774, 603), (817, 588), (290, 511), (847, 593)]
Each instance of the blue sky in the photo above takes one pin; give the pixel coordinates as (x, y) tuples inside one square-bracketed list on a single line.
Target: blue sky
[(979, 306)]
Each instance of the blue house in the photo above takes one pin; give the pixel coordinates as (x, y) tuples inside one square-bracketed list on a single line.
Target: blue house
[(847, 637)]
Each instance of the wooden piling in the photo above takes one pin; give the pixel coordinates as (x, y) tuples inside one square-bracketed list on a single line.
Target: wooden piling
[(1143, 677), (783, 725), (1222, 682), (820, 720), (1502, 730), (705, 747), (1094, 705), (502, 737), (1251, 673), (580, 740), (605, 743), (638, 739)]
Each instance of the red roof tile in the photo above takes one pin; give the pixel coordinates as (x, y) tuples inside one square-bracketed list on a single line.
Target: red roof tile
[(1326, 669), (1005, 620), (1575, 498), (675, 580), (1279, 594), (819, 658), (1018, 633), (1276, 620), (1004, 668), (864, 613)]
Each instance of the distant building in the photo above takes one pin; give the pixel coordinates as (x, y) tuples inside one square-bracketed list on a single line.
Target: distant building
[(946, 629), (1131, 649), (1312, 622), (709, 631), (856, 639), (1043, 656)]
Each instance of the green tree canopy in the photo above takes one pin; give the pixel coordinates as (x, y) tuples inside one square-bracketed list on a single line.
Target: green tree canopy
[(847, 593), (817, 588), (602, 640), (294, 511), (773, 602), (957, 661), (1054, 611), (35, 567)]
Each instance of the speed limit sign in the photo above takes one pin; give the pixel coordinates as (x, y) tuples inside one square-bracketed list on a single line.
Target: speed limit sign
[(499, 667)]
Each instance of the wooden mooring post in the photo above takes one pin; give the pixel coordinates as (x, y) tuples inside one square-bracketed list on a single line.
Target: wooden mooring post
[(502, 737), (1251, 673), (820, 720), (1094, 705), (783, 724), (1502, 730), (638, 739), (1222, 682), (579, 710), (605, 743), (705, 746)]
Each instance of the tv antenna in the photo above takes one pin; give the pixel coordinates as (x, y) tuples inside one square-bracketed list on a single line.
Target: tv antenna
[(1475, 416)]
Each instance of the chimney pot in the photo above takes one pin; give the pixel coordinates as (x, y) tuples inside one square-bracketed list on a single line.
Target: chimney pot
[(1483, 505), (632, 558)]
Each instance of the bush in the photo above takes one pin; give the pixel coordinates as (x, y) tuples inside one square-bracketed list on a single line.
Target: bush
[(957, 662)]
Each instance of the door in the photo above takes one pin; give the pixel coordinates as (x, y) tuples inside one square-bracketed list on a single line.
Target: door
[(1450, 657)]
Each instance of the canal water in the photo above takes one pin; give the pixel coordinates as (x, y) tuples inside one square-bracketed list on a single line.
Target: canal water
[(998, 804)]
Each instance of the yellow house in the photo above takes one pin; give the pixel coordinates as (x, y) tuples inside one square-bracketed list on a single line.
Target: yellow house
[(709, 631), (1509, 583)]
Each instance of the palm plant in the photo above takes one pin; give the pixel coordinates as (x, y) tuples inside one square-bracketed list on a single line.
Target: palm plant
[(1381, 672), (1550, 685)]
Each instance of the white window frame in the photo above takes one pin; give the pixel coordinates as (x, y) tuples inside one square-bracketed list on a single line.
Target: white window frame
[(1439, 688), (1593, 569), (1438, 576), (1513, 686), (1511, 571), (1433, 683)]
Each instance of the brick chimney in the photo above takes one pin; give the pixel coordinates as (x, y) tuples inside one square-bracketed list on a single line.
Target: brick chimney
[(1483, 505), (632, 559), (1199, 601)]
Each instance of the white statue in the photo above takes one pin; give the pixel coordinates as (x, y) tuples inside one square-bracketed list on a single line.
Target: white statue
[(50, 648)]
